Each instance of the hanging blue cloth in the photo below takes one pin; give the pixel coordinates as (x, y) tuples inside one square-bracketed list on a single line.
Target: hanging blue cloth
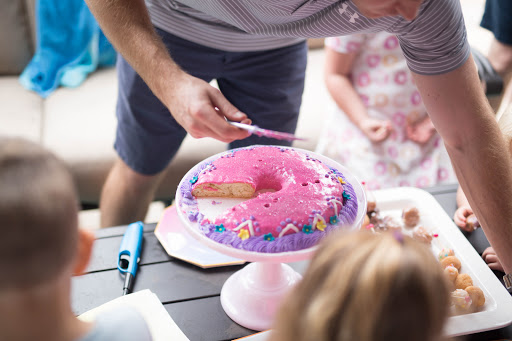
[(70, 45)]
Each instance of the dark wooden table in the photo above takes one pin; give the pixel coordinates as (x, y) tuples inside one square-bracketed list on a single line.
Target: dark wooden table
[(190, 294)]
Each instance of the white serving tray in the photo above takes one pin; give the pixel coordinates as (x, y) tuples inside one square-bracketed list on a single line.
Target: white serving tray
[(497, 311)]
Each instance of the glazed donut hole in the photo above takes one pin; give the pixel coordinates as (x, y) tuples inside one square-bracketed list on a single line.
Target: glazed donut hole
[(477, 296), (463, 281)]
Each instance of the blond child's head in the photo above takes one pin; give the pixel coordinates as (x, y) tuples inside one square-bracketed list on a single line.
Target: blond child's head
[(38, 215), (363, 286)]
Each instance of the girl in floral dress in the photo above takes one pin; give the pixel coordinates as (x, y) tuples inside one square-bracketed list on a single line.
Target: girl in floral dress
[(379, 128)]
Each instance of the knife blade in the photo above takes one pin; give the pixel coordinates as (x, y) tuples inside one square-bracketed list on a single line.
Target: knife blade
[(253, 129)]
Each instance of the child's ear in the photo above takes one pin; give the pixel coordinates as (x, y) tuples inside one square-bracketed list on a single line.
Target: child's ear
[(84, 250)]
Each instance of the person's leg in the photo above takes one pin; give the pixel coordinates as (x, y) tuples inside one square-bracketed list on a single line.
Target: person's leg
[(147, 135), (497, 18), (500, 56), (144, 126), (268, 87), (126, 195)]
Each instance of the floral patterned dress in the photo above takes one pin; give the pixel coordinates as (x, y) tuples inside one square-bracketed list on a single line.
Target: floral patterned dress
[(383, 81)]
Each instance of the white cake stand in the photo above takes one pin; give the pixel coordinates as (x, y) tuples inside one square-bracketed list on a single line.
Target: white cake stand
[(251, 296)]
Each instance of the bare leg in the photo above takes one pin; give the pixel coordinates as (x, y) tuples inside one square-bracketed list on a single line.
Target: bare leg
[(126, 195), (506, 106), (500, 56)]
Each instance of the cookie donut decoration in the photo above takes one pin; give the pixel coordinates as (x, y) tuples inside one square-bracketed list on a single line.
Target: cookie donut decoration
[(293, 199)]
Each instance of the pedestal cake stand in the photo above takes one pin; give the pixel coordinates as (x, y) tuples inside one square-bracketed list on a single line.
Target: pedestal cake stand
[(250, 296)]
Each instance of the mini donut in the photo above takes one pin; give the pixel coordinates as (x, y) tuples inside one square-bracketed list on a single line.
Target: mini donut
[(451, 273), (445, 252), (421, 234), (472, 223), (463, 281), (410, 216), (451, 260), (461, 299), (391, 224), (477, 295)]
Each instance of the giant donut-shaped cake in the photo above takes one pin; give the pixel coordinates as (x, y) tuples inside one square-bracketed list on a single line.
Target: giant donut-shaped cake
[(293, 199)]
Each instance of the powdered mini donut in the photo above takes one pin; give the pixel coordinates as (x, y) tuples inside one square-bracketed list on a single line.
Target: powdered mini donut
[(461, 299), (451, 273), (290, 194)]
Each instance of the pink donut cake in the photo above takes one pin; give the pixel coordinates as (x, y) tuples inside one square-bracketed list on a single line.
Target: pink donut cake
[(293, 200)]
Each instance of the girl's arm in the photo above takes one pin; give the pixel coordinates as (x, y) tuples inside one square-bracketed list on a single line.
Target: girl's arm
[(338, 67)]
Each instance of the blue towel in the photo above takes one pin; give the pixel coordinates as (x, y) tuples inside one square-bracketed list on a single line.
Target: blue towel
[(70, 46)]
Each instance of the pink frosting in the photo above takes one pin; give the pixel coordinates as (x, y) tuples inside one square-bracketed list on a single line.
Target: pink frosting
[(304, 188)]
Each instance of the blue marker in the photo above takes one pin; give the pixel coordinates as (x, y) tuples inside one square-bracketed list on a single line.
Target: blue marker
[(129, 254)]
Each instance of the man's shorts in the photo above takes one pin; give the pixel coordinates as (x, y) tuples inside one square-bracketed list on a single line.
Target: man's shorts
[(265, 85), (497, 18)]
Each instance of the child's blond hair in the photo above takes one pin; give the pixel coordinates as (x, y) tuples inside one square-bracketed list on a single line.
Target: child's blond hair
[(38, 215), (363, 286)]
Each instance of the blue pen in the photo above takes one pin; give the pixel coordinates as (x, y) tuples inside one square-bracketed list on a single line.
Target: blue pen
[(129, 254)]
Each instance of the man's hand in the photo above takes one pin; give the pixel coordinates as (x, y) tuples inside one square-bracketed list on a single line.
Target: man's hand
[(198, 107), (376, 130), (202, 110)]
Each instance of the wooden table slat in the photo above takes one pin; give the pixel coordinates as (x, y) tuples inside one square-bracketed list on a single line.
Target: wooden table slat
[(205, 320), (106, 250), (170, 281)]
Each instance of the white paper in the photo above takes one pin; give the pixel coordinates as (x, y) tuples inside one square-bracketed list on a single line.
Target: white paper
[(160, 323)]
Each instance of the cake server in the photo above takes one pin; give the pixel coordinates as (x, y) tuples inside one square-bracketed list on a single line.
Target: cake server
[(265, 132)]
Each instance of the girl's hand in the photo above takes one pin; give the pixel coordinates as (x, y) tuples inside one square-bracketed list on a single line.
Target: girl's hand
[(376, 130), (420, 131), (492, 260), (460, 217)]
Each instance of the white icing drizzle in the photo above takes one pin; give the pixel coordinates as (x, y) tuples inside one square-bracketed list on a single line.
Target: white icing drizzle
[(246, 223), (334, 202), (317, 218), (288, 227)]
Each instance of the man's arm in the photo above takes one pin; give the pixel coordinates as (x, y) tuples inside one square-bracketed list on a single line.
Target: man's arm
[(191, 101), (479, 154)]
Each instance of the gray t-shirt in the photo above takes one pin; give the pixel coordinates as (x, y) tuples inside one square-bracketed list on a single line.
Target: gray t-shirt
[(433, 43), (120, 324)]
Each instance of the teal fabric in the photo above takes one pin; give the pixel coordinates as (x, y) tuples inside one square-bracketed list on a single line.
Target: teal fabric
[(70, 46)]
